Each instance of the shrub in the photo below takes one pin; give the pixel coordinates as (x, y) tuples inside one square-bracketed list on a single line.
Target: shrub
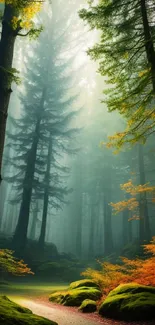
[(10, 264), (141, 271)]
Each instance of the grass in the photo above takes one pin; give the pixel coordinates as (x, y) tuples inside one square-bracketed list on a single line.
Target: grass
[(31, 290)]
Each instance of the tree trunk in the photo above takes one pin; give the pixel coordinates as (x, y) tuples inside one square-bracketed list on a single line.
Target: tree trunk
[(92, 230), (8, 37), (144, 230), (3, 192), (130, 232), (127, 225), (109, 224), (34, 221), (149, 47), (79, 224), (108, 236), (46, 198), (125, 239), (20, 236), (78, 210)]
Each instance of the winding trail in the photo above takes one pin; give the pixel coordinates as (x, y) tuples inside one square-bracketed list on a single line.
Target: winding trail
[(67, 315), (60, 314)]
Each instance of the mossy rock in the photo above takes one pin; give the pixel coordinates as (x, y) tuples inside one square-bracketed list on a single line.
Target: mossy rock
[(83, 283), (13, 314), (88, 306), (131, 288), (75, 297), (130, 302)]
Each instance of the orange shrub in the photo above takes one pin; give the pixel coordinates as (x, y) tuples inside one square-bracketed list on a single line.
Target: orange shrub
[(137, 270), (10, 264)]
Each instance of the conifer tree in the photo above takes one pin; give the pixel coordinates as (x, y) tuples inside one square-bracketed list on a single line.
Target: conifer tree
[(47, 101), (16, 21), (126, 55)]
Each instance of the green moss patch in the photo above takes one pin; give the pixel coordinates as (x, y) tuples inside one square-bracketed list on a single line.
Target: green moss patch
[(131, 288), (13, 314), (130, 302), (83, 283), (88, 306), (75, 297)]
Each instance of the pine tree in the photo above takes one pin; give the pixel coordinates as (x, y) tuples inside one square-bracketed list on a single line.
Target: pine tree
[(126, 55), (16, 18), (47, 101)]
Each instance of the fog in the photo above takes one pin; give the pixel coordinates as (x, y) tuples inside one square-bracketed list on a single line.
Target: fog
[(59, 176)]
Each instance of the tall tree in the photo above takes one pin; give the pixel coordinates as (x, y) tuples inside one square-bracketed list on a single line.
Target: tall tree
[(126, 55), (16, 17), (50, 95)]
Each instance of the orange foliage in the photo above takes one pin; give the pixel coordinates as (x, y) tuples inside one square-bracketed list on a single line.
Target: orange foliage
[(137, 270), (132, 204), (10, 264), (132, 189)]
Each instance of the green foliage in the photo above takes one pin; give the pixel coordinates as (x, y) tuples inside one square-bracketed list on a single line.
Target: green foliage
[(35, 32), (126, 56), (63, 270), (46, 119), (11, 75)]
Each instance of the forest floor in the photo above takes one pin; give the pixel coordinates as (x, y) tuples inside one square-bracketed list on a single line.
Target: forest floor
[(35, 297), (68, 315)]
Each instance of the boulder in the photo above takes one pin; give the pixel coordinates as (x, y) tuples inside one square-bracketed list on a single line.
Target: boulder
[(83, 283), (88, 306), (74, 297), (13, 314), (130, 302)]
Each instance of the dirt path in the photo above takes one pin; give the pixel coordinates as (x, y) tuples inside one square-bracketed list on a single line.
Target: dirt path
[(60, 314), (67, 315)]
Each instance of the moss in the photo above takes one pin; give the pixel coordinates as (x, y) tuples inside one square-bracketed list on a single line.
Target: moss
[(130, 302), (13, 314), (88, 306), (83, 283), (75, 297), (57, 296), (131, 288)]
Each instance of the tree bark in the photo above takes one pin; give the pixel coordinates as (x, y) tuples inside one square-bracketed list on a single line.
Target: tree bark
[(46, 198), (8, 37), (20, 236), (108, 236), (149, 47), (79, 225), (125, 239), (34, 221), (78, 211), (144, 230), (92, 229)]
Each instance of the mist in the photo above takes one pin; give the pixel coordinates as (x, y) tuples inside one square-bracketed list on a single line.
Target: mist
[(59, 180)]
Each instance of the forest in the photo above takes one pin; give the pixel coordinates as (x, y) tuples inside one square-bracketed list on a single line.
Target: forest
[(77, 173)]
